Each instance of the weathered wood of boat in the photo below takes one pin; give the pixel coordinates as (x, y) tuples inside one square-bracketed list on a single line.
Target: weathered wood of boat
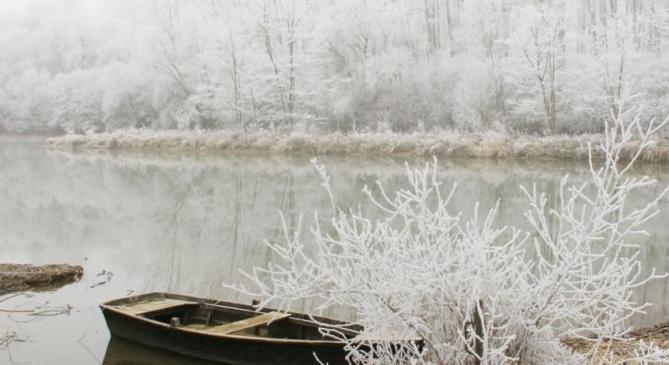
[(223, 332)]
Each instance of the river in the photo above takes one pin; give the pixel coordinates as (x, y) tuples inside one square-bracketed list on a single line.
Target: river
[(187, 224)]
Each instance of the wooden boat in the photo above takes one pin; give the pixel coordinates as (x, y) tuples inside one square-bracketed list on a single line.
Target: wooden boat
[(223, 332)]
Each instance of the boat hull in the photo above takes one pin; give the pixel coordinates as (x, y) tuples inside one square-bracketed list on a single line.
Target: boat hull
[(232, 350)]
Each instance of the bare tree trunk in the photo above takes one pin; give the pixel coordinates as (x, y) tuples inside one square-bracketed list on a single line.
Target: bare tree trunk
[(169, 15), (287, 88), (291, 66), (474, 332), (449, 25), (236, 84), (432, 21), (255, 110), (543, 59), (269, 51), (548, 89)]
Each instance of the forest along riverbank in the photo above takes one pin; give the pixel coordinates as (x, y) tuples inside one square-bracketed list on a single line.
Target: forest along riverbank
[(441, 144)]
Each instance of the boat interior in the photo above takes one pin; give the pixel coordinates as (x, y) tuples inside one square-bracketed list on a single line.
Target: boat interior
[(221, 318)]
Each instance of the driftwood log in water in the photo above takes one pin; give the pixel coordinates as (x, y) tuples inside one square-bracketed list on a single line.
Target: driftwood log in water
[(15, 277)]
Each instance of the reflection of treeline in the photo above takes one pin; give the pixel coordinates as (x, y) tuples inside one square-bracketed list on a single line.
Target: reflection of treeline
[(539, 67), (383, 166)]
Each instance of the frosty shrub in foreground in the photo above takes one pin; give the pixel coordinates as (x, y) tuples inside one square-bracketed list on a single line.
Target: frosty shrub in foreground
[(476, 292)]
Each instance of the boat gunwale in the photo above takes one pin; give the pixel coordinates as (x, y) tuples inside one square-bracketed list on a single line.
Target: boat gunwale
[(112, 307)]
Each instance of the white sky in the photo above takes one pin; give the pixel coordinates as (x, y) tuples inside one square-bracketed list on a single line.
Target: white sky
[(74, 10)]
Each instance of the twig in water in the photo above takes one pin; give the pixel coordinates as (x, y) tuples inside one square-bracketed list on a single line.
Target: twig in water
[(8, 338), (8, 297), (43, 311)]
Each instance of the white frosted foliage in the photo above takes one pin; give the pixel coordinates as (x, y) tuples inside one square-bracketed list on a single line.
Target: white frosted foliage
[(475, 291)]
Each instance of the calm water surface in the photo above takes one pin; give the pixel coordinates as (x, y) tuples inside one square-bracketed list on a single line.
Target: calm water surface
[(189, 224)]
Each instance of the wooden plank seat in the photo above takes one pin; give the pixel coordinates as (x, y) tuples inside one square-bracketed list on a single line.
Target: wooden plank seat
[(246, 323), (152, 305)]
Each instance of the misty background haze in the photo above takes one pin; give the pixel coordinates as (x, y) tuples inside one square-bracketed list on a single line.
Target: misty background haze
[(540, 67)]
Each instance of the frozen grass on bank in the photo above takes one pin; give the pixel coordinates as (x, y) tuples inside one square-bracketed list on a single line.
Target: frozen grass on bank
[(442, 144)]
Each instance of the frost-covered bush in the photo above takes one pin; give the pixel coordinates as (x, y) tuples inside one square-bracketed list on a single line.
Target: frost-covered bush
[(477, 292)]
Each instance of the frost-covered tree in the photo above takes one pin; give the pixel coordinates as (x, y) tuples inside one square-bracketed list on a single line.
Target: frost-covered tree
[(543, 45)]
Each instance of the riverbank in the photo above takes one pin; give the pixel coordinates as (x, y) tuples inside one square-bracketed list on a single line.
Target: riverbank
[(15, 277), (490, 145), (657, 335)]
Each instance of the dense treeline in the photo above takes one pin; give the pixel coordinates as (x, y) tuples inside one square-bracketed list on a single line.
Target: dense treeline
[(551, 66)]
